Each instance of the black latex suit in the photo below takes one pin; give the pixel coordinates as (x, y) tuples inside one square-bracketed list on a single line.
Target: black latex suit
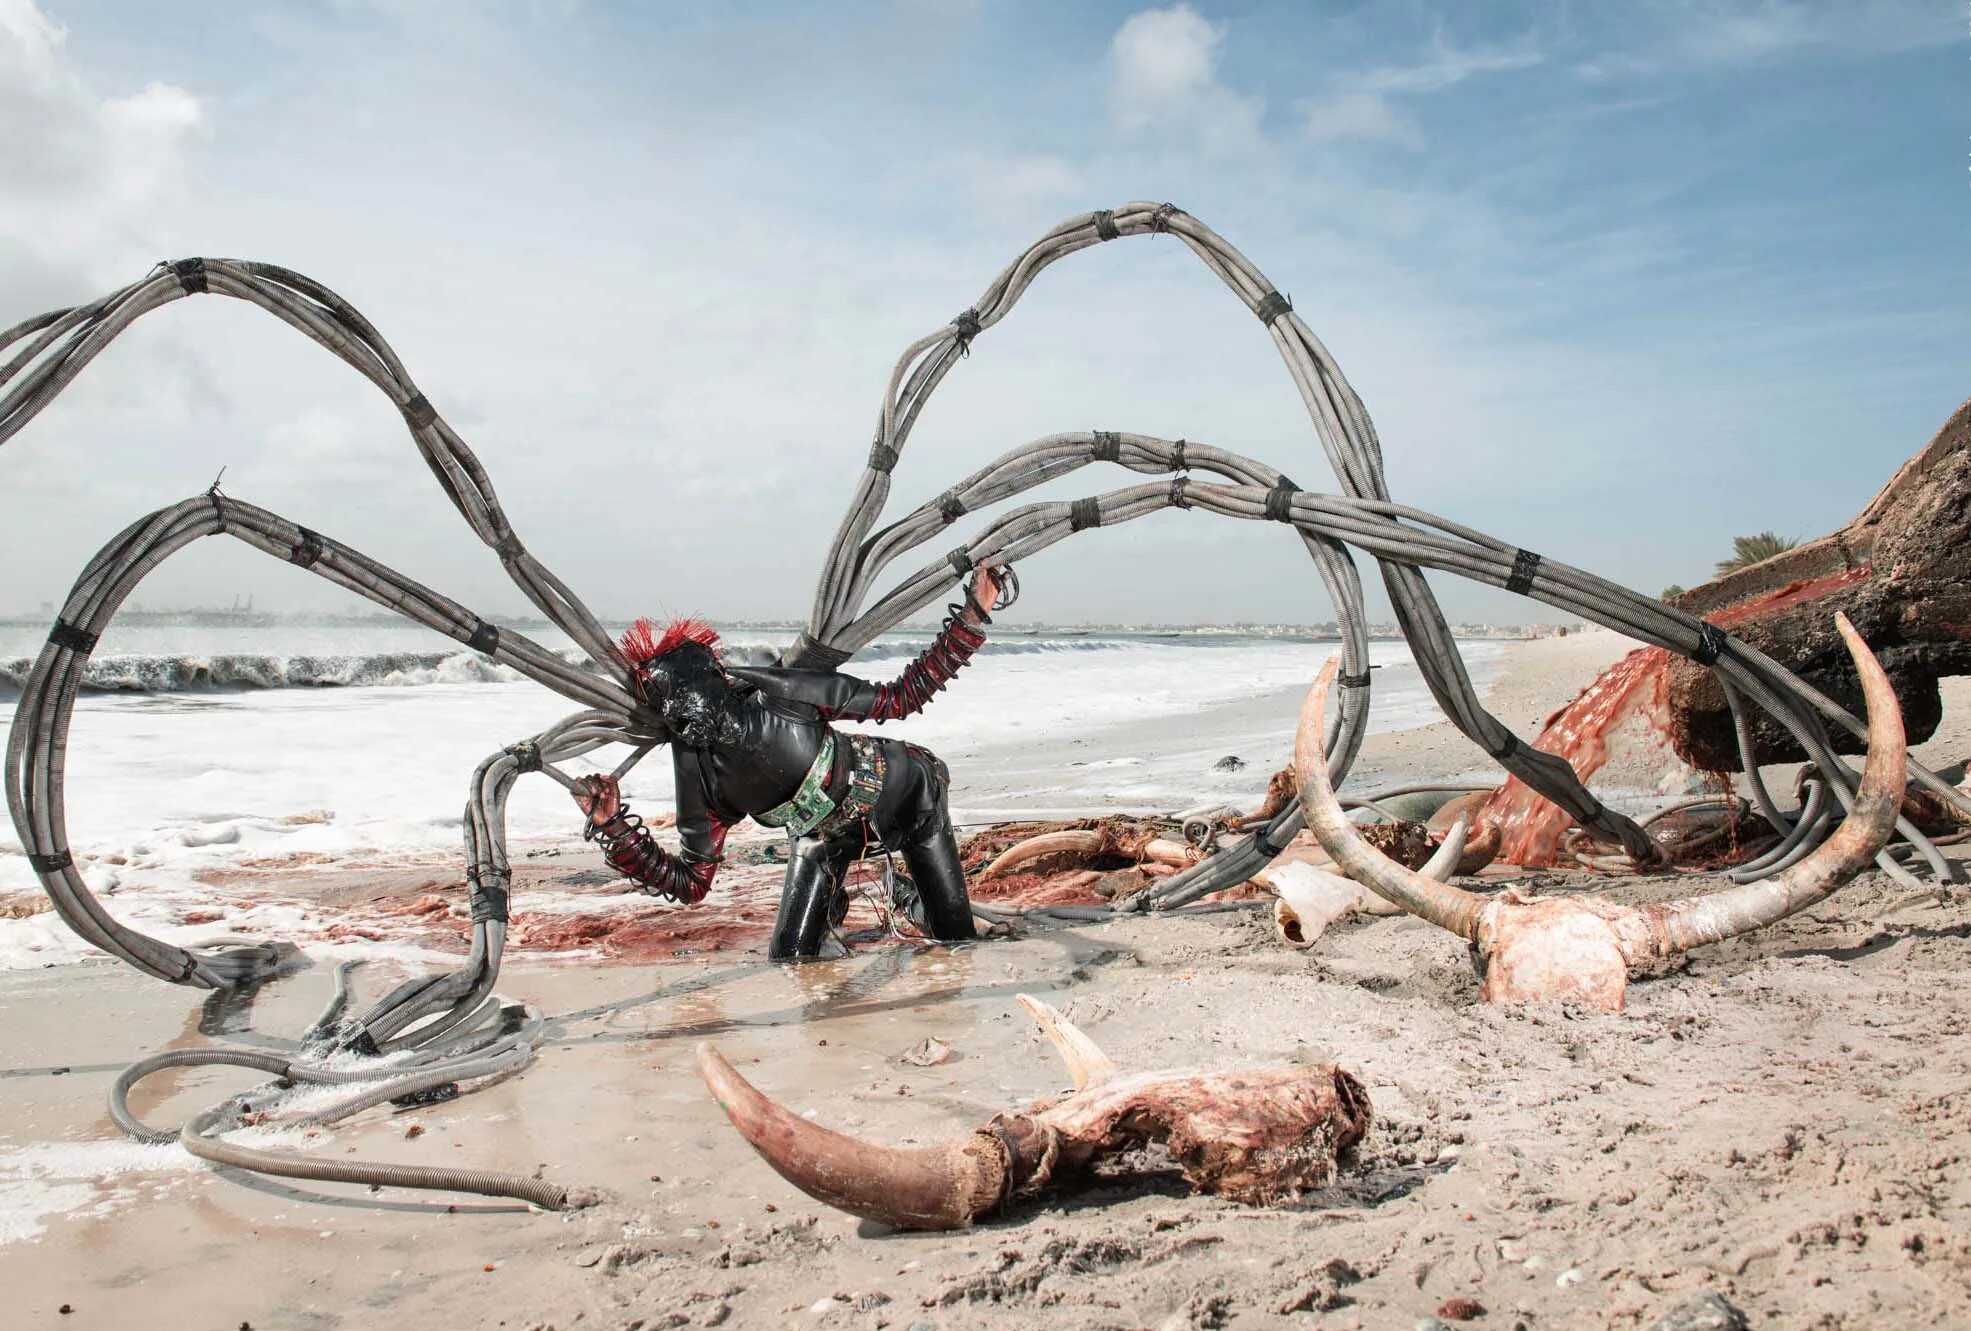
[(745, 738)]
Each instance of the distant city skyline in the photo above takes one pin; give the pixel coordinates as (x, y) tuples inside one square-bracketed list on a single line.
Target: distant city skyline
[(1616, 283)]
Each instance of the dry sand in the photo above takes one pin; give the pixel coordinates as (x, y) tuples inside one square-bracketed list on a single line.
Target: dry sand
[(1782, 1120)]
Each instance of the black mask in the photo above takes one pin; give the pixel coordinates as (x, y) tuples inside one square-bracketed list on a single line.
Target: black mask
[(690, 691)]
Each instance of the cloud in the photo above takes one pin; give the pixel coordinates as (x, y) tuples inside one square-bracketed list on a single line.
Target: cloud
[(1448, 66), (1701, 35), (1364, 108), (1164, 75), (91, 180), (1365, 116)]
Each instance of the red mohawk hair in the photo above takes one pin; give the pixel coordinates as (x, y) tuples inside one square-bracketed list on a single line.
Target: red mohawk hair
[(643, 643)]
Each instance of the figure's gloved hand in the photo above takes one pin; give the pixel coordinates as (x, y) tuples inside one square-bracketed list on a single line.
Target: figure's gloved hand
[(600, 799), (989, 584)]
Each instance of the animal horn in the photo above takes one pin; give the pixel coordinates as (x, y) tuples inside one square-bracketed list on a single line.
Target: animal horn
[(1087, 1064), (1443, 861), (943, 1186), (1080, 842), (1681, 925), (1441, 904)]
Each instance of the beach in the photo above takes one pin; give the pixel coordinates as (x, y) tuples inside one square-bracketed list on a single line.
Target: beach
[(1778, 1119)]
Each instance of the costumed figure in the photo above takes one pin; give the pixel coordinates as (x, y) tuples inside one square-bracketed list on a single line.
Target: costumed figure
[(757, 742)]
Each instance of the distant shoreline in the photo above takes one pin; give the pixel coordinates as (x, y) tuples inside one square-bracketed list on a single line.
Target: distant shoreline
[(532, 623)]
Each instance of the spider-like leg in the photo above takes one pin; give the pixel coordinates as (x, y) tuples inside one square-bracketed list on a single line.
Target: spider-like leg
[(425, 1009), (1403, 541), (36, 748), (55, 347)]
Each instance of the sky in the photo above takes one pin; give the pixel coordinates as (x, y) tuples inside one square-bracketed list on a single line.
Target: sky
[(1616, 282)]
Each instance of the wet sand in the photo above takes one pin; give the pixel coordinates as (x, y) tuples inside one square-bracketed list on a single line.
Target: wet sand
[(1782, 1120)]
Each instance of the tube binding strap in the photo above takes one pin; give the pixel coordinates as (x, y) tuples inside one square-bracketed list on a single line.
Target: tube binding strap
[(1084, 513), (307, 550), (967, 325), (1505, 750), (1177, 460), (1177, 499), (961, 560), (77, 640), (510, 547), (1160, 219), (526, 757), (951, 506), (1272, 307), (1105, 225), (1347, 681), (1108, 446), (882, 458), (55, 863), (485, 638), (419, 412), (1524, 565), (808, 649), (1710, 644), (1279, 501), (190, 274), (490, 900)]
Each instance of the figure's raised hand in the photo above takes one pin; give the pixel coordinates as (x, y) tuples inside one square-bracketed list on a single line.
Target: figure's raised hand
[(600, 799), (988, 586)]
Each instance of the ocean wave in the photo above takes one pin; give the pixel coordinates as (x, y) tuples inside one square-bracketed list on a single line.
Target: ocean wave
[(251, 671)]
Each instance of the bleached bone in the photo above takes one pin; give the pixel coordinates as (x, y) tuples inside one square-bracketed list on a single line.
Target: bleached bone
[(1253, 1135), (1583, 948)]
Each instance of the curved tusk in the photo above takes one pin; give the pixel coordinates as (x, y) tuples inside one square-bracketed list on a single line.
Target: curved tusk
[(1678, 926), (1443, 861), (944, 1186), (1162, 850), (1087, 1064), (1441, 904), (1083, 842)]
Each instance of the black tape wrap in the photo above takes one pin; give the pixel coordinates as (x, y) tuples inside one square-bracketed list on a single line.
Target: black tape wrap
[(55, 863), (1506, 749), (485, 638), (490, 901), (1710, 644), (526, 757), (419, 413), (1108, 446), (509, 547), (813, 654), (1178, 462), (882, 458), (79, 640), (1348, 681), (1160, 219), (960, 560), (190, 274), (1105, 225), (1279, 501), (1524, 565), (967, 325), (1177, 499), (1272, 307), (951, 506), (307, 551), (1085, 513)]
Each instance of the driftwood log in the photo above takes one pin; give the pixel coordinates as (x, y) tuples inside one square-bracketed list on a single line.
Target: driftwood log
[(1901, 573)]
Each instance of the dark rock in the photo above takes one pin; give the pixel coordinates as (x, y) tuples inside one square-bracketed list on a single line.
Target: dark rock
[(1231, 762), (1708, 1311)]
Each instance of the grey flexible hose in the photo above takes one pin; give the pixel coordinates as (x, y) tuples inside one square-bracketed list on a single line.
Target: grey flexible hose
[(55, 347)]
